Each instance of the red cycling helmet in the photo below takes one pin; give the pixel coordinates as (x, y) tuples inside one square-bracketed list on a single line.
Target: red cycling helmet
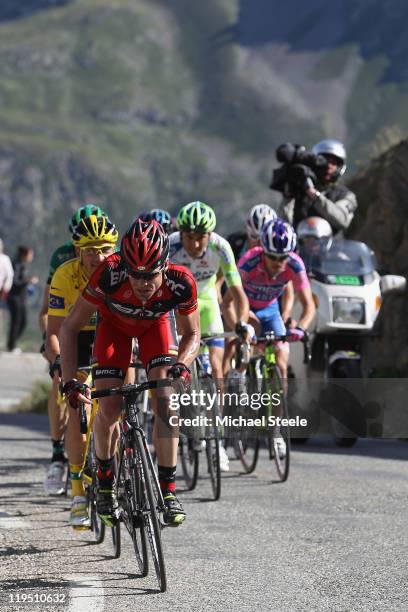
[(145, 246)]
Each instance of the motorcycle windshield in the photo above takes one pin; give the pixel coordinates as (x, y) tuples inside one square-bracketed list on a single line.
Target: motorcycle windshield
[(343, 258)]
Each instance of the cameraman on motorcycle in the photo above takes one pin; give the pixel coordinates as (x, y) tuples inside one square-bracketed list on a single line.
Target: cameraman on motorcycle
[(317, 193)]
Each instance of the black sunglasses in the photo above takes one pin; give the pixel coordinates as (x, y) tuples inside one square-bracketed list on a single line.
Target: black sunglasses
[(276, 257), (143, 275)]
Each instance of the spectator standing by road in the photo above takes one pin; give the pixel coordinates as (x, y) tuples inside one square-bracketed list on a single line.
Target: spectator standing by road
[(16, 300), (6, 281), (6, 273)]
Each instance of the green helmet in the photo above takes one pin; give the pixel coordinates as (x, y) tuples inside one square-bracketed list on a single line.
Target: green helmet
[(196, 217), (82, 213)]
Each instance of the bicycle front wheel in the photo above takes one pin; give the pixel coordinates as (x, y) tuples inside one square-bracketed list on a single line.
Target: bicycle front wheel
[(212, 448), (130, 501), (247, 441), (280, 452), (150, 511)]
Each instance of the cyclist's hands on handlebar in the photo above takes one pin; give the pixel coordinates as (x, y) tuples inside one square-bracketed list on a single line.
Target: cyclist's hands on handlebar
[(55, 367), (181, 372), (245, 331), (77, 392), (296, 334)]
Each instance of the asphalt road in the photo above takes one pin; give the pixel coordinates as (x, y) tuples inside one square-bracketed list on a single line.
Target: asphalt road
[(334, 537)]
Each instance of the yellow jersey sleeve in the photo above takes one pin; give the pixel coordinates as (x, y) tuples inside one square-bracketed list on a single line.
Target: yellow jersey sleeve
[(59, 300)]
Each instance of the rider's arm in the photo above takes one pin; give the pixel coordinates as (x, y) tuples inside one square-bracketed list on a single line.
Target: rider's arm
[(42, 315), (78, 317), (240, 302), (190, 339), (309, 309), (52, 347), (288, 299), (339, 214), (218, 284), (233, 281)]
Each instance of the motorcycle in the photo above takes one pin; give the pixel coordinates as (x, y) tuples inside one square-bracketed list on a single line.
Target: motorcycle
[(348, 291)]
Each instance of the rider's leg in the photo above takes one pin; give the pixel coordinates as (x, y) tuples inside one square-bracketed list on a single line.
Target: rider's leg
[(57, 418), (158, 351)]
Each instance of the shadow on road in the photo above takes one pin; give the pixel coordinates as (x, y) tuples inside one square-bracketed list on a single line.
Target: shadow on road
[(27, 420), (381, 449)]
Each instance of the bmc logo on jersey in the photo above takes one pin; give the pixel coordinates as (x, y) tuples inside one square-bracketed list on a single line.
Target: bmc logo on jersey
[(135, 311), (117, 276), (56, 302), (176, 288)]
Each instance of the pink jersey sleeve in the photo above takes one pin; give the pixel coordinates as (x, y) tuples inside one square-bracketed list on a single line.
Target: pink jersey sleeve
[(297, 272)]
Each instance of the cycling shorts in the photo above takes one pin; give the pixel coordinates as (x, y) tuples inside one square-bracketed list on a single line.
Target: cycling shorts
[(271, 320), (113, 348), (210, 317)]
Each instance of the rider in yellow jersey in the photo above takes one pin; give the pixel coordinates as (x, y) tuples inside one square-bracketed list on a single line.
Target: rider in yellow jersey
[(94, 239), (54, 482)]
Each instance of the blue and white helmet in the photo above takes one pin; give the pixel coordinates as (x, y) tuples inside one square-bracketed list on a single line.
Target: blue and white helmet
[(258, 216), (159, 215), (278, 237)]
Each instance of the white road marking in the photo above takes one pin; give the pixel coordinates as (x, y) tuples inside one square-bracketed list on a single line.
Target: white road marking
[(8, 521), (86, 593)]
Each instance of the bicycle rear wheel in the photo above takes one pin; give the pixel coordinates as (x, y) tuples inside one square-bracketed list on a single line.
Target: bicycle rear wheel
[(282, 460), (189, 461), (149, 504)]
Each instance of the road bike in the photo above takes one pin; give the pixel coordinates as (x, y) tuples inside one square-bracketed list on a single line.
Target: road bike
[(264, 379), (138, 491), (205, 437)]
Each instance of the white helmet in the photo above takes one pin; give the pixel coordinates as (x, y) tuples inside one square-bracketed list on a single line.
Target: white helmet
[(317, 228), (258, 216), (330, 146)]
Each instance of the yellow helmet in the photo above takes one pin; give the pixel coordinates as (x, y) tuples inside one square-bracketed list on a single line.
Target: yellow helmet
[(93, 231)]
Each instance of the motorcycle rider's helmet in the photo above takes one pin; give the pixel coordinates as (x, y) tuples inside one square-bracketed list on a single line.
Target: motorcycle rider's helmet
[(315, 236), (330, 146)]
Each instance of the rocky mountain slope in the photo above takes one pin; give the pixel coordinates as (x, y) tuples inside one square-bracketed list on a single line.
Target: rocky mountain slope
[(382, 222), (139, 103)]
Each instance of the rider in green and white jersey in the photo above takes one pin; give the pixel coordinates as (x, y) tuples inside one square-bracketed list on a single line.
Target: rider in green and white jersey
[(204, 252)]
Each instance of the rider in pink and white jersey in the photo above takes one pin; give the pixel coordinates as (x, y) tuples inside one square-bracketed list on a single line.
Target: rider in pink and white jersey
[(265, 271)]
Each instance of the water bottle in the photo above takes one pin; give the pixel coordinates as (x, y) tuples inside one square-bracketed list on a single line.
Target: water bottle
[(205, 362), (245, 353)]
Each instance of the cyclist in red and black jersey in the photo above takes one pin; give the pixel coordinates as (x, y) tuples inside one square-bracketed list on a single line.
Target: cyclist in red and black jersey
[(135, 293)]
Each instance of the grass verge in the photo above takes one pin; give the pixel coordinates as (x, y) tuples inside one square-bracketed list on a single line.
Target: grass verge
[(37, 400)]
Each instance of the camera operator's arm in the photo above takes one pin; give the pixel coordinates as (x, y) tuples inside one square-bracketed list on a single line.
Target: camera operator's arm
[(339, 214), (286, 209)]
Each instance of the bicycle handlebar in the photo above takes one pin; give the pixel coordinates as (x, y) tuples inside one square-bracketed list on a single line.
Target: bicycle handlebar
[(271, 337), (127, 390)]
